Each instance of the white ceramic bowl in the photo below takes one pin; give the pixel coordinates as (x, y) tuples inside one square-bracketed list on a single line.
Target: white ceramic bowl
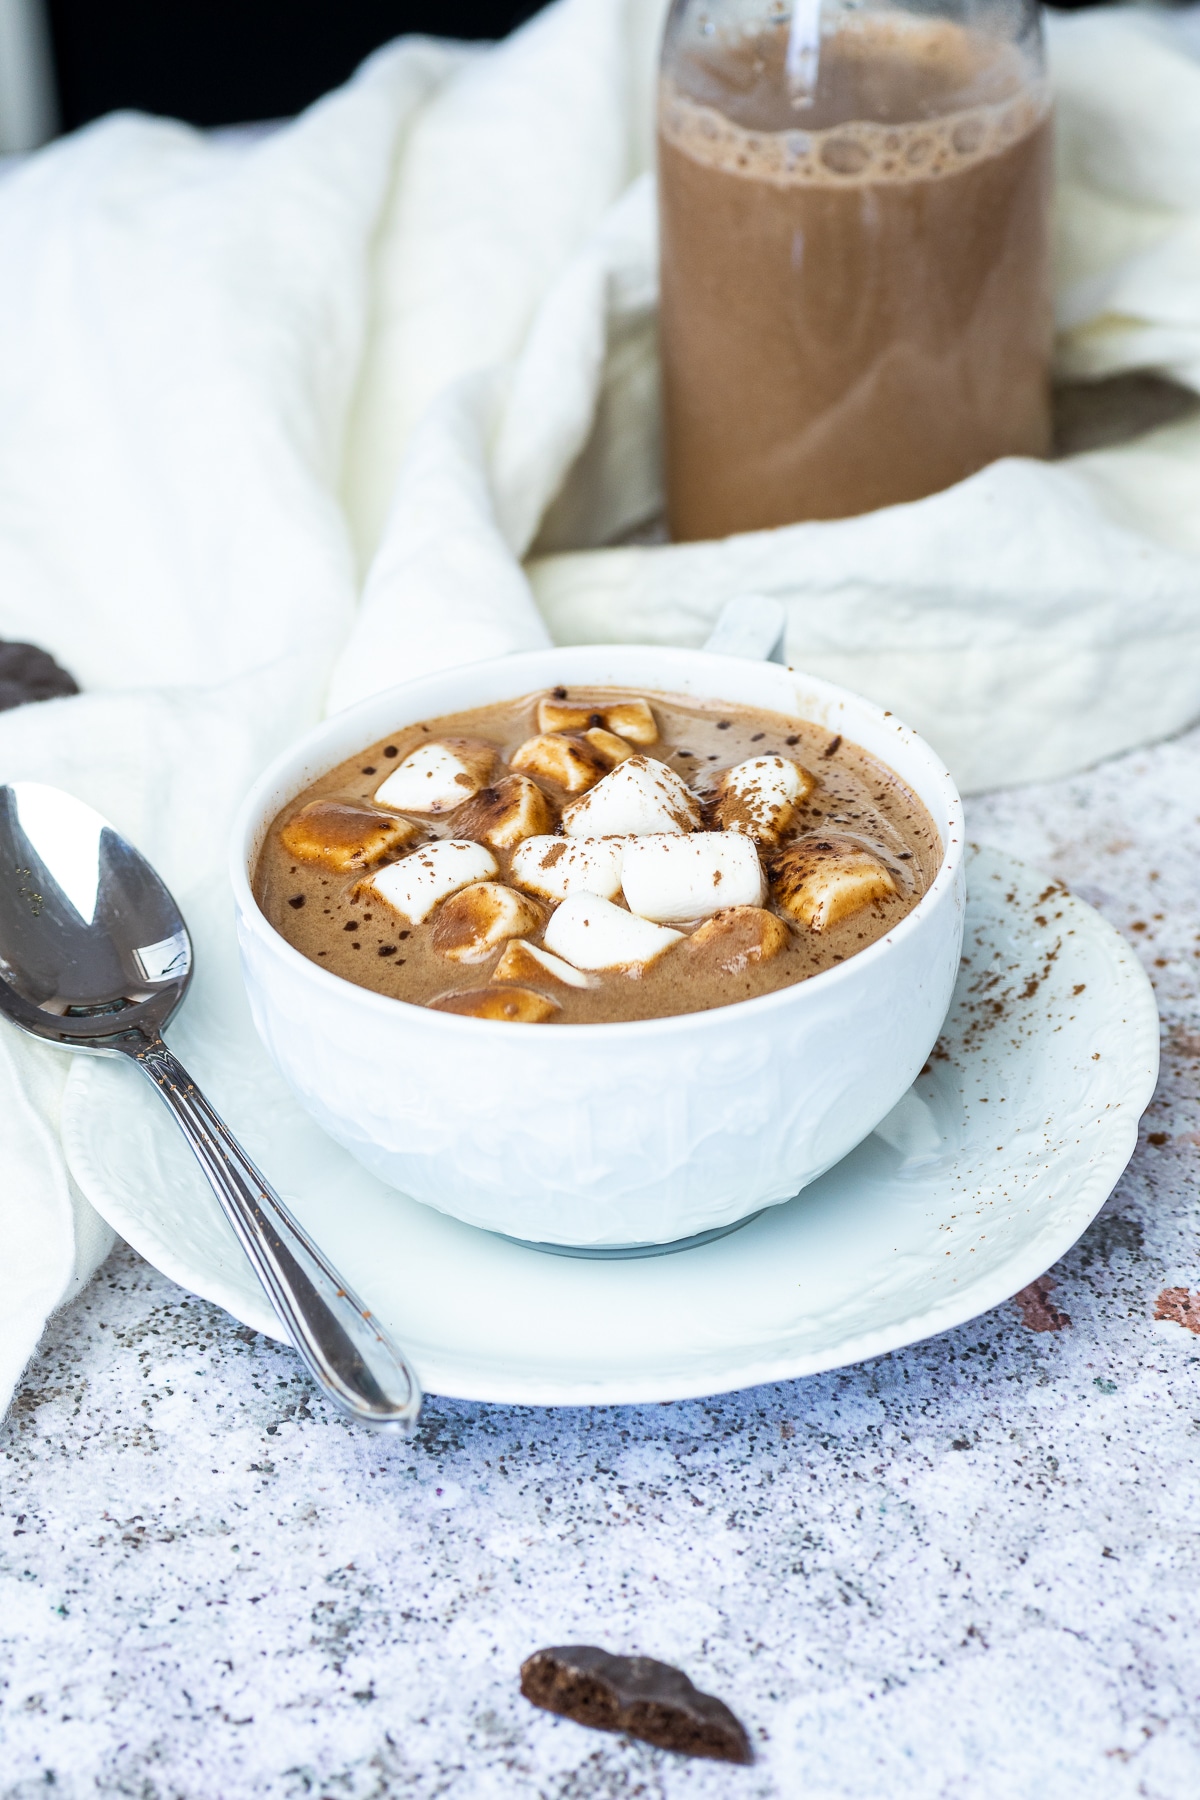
[(632, 1133)]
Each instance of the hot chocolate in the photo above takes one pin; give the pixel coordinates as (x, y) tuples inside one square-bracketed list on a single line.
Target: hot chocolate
[(584, 856), (856, 303)]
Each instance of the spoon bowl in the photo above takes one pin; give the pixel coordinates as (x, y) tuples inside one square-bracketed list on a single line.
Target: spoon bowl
[(92, 944)]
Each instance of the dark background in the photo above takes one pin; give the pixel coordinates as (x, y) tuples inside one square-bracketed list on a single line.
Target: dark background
[(222, 62)]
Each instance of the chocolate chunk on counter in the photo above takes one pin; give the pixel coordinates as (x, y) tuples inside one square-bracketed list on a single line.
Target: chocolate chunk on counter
[(647, 1699), (27, 673)]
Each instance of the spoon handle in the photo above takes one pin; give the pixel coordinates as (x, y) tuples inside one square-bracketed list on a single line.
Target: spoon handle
[(348, 1353)]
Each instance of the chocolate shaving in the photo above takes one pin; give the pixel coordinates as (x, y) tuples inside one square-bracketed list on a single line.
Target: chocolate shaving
[(27, 673), (647, 1699), (1038, 1312)]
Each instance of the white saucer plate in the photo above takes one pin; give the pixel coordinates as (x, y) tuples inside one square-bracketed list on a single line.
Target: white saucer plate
[(989, 1169)]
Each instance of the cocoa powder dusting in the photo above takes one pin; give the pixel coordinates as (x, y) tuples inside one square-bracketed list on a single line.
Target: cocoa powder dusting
[(1179, 1307), (1038, 1311)]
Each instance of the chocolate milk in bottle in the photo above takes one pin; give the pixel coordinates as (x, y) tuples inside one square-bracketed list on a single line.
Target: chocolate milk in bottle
[(855, 243)]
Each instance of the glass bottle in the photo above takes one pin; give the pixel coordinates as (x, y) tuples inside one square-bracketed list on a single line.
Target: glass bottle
[(854, 203)]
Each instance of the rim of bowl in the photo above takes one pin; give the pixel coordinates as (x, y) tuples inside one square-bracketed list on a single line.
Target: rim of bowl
[(252, 816)]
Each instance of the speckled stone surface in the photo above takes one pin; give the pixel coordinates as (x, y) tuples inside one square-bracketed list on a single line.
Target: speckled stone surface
[(969, 1569)]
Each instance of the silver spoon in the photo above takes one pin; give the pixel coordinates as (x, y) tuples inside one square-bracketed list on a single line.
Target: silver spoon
[(95, 956)]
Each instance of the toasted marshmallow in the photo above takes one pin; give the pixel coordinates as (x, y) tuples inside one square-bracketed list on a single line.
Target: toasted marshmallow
[(515, 808), (554, 867), (613, 749), (340, 836), (518, 1006), (733, 940), (630, 719), (569, 761), (417, 883), (525, 962), (476, 920), (562, 715), (760, 797), (667, 876), (438, 776), (591, 933), (819, 880), (637, 797)]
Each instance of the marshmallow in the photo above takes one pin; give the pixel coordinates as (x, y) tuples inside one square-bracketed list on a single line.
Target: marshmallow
[(555, 867), (515, 808), (760, 797), (570, 762), (438, 776), (518, 1006), (637, 797), (613, 749), (415, 884), (819, 880), (630, 719), (731, 940), (340, 836), (473, 922), (525, 962), (592, 933), (673, 877)]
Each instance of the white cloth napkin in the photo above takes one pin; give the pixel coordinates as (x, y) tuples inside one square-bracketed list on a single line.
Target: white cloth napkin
[(407, 340), (181, 325)]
